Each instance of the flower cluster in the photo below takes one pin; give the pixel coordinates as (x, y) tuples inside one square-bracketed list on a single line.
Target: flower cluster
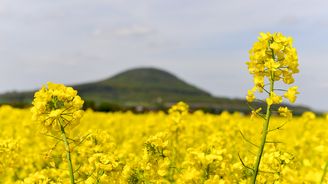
[(273, 58), (56, 105), (178, 110), (124, 147), (8, 153)]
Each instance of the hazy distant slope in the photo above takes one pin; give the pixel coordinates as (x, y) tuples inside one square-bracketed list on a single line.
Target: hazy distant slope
[(142, 85), (149, 87)]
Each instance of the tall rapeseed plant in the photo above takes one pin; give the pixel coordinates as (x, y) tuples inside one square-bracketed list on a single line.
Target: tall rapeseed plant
[(58, 108), (273, 59)]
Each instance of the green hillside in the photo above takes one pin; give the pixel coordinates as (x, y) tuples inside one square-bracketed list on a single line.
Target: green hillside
[(144, 87)]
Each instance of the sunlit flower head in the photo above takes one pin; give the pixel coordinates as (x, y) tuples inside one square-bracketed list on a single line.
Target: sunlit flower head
[(56, 105), (271, 59)]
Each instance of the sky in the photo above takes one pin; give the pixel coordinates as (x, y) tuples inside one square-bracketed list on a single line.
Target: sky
[(204, 42)]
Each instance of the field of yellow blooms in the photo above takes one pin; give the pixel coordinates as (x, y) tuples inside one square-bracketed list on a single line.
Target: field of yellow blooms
[(179, 147), (57, 142)]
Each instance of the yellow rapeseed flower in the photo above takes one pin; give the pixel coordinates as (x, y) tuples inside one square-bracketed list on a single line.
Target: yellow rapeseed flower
[(274, 99), (291, 94), (272, 56), (308, 115), (272, 65), (250, 96), (54, 102), (180, 107), (285, 112)]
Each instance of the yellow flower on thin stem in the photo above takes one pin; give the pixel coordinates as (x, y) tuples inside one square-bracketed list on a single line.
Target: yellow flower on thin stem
[(272, 58), (55, 102), (274, 99), (58, 108)]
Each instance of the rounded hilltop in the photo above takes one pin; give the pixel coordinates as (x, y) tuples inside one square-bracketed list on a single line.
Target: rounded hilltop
[(145, 86)]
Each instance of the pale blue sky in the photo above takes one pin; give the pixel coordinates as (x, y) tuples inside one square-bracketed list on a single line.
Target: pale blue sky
[(204, 42)]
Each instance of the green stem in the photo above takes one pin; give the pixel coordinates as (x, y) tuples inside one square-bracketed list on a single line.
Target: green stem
[(174, 144), (324, 173), (264, 135), (68, 153)]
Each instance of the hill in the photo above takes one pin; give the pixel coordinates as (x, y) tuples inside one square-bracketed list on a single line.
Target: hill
[(144, 87)]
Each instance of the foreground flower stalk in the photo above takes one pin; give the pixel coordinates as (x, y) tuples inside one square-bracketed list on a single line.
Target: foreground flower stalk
[(58, 109), (68, 152), (272, 59), (264, 134)]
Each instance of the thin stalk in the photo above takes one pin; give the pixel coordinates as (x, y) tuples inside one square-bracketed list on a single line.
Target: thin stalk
[(68, 153), (174, 154), (324, 173), (264, 135)]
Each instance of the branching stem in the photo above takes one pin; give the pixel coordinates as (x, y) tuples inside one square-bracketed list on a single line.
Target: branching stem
[(264, 135)]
